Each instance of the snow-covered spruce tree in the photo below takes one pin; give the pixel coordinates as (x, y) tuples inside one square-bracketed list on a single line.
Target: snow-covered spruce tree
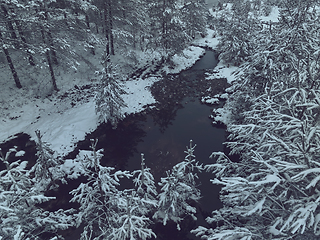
[(281, 50), (178, 190), (240, 29), (109, 102), (194, 14), (171, 32), (46, 167), (20, 217), (273, 193), (98, 197), (132, 221), (144, 181)]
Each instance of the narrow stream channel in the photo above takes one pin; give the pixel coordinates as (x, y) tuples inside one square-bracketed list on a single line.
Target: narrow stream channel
[(162, 135)]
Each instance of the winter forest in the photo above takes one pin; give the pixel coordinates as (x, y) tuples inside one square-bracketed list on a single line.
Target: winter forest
[(98, 97)]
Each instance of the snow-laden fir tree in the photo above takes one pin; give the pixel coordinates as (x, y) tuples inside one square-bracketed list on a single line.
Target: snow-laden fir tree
[(20, 216), (133, 220), (171, 26), (109, 102), (240, 29), (46, 168), (144, 181), (273, 192), (134, 207), (195, 18), (98, 210), (179, 191)]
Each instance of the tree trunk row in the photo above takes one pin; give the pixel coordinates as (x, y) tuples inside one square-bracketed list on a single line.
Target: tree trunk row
[(10, 63), (109, 27)]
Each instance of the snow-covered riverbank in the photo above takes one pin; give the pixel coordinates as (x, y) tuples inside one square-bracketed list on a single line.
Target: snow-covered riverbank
[(65, 118)]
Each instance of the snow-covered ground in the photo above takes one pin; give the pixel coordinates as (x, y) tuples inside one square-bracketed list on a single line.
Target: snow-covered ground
[(64, 120)]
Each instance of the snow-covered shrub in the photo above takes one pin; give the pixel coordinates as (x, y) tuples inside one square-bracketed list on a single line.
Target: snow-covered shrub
[(144, 181), (108, 212), (178, 190), (19, 214), (135, 206)]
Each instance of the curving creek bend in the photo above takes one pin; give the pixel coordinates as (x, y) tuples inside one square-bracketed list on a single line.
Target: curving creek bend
[(162, 134)]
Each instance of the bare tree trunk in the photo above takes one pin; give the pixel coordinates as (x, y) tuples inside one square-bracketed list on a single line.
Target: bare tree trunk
[(10, 11), (50, 38), (9, 23), (87, 21), (10, 63), (53, 78), (97, 28), (164, 26), (25, 44), (106, 20), (52, 50), (111, 27)]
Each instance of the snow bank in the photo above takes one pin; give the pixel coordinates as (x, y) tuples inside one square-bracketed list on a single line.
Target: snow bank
[(62, 125), (185, 60), (138, 94), (210, 100), (221, 115), (61, 130), (222, 71)]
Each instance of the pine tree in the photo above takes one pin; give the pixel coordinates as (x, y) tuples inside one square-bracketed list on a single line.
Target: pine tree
[(46, 168), (109, 102), (144, 181), (240, 30), (132, 221), (98, 197), (195, 17), (170, 25), (178, 190)]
